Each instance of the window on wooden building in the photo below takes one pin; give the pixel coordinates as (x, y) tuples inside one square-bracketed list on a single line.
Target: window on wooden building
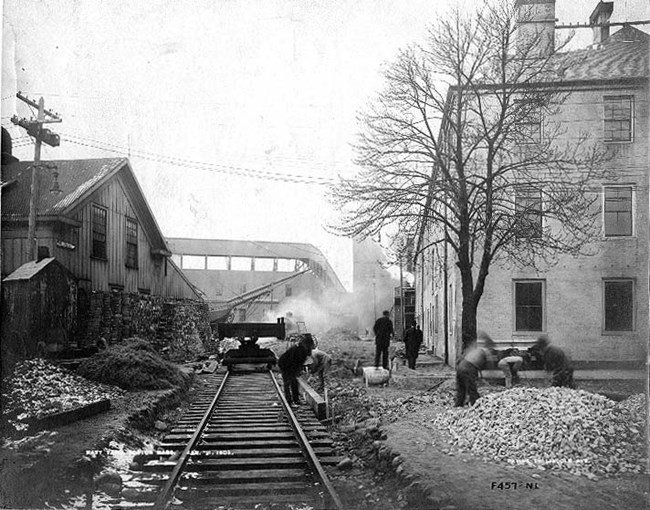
[(99, 230), (529, 305), (619, 114), (131, 242), (618, 211), (619, 305)]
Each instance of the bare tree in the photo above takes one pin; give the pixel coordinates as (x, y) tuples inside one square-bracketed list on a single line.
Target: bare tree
[(465, 138)]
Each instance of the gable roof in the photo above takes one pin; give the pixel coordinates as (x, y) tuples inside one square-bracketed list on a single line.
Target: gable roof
[(77, 179), (29, 269), (260, 249), (624, 55)]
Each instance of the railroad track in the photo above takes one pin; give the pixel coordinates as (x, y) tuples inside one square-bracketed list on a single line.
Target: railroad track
[(238, 446)]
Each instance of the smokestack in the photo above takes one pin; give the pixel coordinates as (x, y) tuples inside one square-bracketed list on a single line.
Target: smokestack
[(601, 15), (536, 27)]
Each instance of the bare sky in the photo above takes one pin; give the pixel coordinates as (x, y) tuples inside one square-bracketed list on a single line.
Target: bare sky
[(219, 104)]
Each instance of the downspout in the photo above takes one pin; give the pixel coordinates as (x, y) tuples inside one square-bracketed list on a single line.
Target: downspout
[(446, 301), (421, 314)]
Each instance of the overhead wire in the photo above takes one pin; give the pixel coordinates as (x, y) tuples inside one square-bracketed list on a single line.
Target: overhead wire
[(293, 160), (213, 167)]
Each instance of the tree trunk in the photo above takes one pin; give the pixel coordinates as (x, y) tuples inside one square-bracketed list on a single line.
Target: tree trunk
[(468, 321), (468, 315)]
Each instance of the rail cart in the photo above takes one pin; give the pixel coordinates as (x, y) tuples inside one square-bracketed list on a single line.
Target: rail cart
[(249, 355)]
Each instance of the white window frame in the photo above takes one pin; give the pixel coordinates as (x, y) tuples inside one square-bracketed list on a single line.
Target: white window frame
[(632, 212), (634, 307), (632, 117), (514, 306)]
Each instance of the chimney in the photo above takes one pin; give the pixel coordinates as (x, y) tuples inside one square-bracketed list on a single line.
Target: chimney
[(536, 27), (601, 15), (43, 253)]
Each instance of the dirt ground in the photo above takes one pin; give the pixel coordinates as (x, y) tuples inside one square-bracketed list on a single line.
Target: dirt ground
[(453, 479), (465, 482), (62, 473), (399, 460)]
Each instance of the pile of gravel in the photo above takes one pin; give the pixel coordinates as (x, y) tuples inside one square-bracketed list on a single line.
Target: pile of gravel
[(37, 388), (553, 428)]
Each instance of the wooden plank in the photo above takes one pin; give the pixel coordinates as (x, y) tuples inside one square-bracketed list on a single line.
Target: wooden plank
[(235, 430), (313, 399), (233, 476), (226, 464), (248, 490), (65, 417), (256, 452), (226, 502), (234, 436), (234, 445)]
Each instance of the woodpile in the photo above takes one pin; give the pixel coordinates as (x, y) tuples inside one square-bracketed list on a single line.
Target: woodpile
[(180, 327), (553, 428)]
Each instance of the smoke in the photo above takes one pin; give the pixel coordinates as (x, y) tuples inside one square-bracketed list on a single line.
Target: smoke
[(316, 316), (409, 278)]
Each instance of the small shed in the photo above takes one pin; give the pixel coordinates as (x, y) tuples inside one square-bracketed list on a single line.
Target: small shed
[(39, 309)]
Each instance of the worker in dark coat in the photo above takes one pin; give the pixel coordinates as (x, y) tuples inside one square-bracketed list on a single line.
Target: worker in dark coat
[(412, 344), (479, 356), (291, 365), (556, 363), (383, 330)]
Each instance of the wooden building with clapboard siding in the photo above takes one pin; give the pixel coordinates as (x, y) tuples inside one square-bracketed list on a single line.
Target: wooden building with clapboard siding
[(92, 218)]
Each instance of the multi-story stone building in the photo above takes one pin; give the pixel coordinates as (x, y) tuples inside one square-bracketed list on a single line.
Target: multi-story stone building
[(595, 307)]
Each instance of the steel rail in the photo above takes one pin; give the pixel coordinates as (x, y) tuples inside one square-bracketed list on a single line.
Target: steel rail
[(308, 451), (165, 495)]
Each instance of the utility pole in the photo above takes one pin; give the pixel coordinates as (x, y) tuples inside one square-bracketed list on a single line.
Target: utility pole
[(35, 129)]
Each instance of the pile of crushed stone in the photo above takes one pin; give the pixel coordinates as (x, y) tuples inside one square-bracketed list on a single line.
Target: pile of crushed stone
[(37, 388), (553, 428)]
